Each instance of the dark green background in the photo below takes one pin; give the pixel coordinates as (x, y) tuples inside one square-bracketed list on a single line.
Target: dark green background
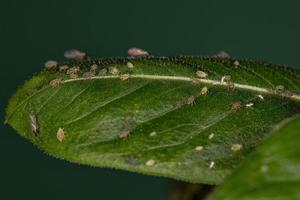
[(33, 31)]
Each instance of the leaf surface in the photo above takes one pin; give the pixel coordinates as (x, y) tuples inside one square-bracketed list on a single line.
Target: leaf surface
[(156, 118), (272, 172)]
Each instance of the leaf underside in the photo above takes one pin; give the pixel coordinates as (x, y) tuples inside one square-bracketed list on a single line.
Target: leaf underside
[(272, 172), (162, 110)]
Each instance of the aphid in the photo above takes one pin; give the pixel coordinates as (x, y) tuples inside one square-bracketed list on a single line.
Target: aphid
[(133, 161), (94, 68), (152, 134), (191, 100), (249, 105), (222, 55), (261, 97), (63, 68), (73, 70), (60, 134), (75, 54), (212, 164), (55, 82), (201, 74), (236, 105), (150, 163), (225, 78), (137, 53), (124, 133), (34, 125), (130, 65), (51, 64), (279, 89), (264, 168), (236, 147), (73, 76), (113, 70), (88, 74), (179, 104), (231, 85), (199, 148), (211, 136), (204, 91), (102, 72), (124, 77), (236, 63)]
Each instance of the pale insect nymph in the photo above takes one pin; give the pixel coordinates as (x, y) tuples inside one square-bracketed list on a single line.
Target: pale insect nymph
[(137, 53), (191, 100), (34, 125)]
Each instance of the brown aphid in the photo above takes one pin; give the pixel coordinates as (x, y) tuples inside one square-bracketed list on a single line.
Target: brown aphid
[(236, 105), (102, 72), (137, 53), (124, 77), (94, 68), (51, 64), (222, 55), (34, 124), (113, 70), (63, 68), (179, 104), (55, 82), (125, 133), (73, 70), (60, 134), (191, 100), (88, 74)]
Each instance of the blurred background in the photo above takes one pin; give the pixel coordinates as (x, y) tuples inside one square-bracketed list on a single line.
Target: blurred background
[(33, 31)]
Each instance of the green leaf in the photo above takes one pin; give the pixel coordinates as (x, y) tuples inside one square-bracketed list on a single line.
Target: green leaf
[(272, 172), (174, 127)]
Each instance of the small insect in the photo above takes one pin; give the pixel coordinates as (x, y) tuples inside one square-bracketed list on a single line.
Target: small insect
[(102, 72), (264, 168), (51, 64), (279, 89), (124, 133), (55, 82), (236, 105), (191, 100), (60, 134), (204, 91), (152, 134), (199, 148), (137, 53), (249, 105), (133, 161), (225, 78), (88, 74), (63, 68), (113, 70), (124, 77), (34, 124), (211, 136), (94, 68), (179, 104), (75, 54), (236, 147), (201, 74), (150, 163), (222, 55), (130, 65), (236, 63), (73, 70), (211, 165), (261, 97)]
